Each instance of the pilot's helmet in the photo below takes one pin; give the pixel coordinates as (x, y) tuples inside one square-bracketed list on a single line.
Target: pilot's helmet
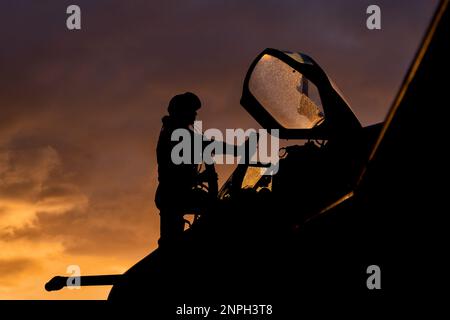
[(184, 103)]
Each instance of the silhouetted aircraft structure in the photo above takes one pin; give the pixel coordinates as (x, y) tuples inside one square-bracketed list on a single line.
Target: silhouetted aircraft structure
[(351, 196)]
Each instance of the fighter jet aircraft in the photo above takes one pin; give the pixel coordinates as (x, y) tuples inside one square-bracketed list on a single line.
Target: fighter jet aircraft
[(347, 198)]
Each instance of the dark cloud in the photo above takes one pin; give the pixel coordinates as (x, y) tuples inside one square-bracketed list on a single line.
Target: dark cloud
[(24, 171)]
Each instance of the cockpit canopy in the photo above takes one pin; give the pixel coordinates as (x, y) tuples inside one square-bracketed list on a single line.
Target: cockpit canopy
[(290, 92)]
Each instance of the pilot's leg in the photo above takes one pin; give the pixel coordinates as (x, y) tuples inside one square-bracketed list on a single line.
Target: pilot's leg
[(171, 227)]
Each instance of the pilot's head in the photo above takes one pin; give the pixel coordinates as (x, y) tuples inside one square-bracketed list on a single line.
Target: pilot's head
[(183, 107)]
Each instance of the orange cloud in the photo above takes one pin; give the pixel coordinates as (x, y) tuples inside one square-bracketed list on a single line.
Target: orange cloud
[(47, 223)]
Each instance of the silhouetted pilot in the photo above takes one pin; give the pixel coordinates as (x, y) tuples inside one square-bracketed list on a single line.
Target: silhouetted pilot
[(175, 195)]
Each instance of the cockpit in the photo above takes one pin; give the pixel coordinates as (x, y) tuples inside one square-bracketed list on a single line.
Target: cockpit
[(290, 92)]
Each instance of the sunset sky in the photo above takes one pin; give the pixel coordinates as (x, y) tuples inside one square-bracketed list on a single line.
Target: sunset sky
[(80, 111)]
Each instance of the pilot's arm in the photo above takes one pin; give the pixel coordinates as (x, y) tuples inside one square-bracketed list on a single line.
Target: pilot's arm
[(222, 147)]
